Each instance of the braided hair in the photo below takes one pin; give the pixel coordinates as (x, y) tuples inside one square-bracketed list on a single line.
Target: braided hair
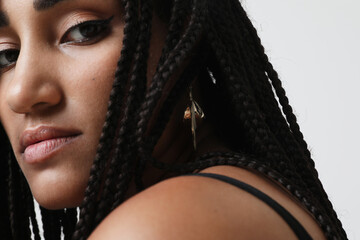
[(246, 105)]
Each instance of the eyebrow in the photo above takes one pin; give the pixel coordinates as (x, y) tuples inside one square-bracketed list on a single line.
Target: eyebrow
[(4, 20), (45, 4)]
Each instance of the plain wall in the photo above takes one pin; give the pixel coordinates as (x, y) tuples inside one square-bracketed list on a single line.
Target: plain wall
[(315, 47)]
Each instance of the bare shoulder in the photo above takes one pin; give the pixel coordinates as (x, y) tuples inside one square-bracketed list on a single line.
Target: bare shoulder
[(191, 207)]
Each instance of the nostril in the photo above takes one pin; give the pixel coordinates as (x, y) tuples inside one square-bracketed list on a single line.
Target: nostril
[(42, 106)]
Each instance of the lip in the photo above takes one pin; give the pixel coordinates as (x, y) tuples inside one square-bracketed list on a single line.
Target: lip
[(38, 144)]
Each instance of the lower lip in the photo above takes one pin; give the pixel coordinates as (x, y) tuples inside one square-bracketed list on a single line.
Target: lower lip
[(43, 150)]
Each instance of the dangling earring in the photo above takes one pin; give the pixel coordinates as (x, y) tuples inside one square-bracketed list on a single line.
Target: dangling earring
[(193, 112)]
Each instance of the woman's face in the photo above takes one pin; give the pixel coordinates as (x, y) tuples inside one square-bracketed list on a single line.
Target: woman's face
[(57, 62)]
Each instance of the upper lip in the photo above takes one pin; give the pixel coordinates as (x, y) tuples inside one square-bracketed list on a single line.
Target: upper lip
[(42, 133)]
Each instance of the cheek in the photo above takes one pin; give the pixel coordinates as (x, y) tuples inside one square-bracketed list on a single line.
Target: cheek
[(9, 123), (87, 101), (88, 85), (85, 76), (7, 119)]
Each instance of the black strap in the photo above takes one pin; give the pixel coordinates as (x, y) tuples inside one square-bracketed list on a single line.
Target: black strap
[(298, 229)]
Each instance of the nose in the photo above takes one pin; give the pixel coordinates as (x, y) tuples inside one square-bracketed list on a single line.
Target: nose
[(34, 86)]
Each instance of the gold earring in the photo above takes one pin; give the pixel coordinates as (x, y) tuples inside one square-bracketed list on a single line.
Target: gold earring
[(193, 112)]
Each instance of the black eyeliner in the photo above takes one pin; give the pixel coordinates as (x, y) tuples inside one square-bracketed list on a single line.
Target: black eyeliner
[(104, 23), (8, 51)]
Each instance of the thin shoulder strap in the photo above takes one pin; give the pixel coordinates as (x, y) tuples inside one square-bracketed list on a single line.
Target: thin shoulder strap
[(297, 228)]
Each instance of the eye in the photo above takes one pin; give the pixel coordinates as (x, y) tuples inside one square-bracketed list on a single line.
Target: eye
[(86, 32), (8, 57)]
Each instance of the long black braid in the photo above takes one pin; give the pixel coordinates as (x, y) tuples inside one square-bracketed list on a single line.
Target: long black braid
[(136, 92), (210, 40), (5, 224), (311, 176)]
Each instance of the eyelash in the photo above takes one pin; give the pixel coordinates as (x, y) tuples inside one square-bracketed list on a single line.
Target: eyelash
[(100, 29), (3, 56)]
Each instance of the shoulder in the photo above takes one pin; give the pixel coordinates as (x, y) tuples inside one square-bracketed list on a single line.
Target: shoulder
[(192, 207)]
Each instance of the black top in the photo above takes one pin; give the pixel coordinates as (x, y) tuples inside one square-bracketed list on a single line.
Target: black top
[(298, 229)]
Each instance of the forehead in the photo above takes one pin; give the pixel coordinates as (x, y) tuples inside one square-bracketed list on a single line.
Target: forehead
[(44, 4), (38, 6)]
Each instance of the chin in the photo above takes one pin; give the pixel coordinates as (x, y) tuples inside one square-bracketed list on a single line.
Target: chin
[(58, 203), (59, 200), (58, 194)]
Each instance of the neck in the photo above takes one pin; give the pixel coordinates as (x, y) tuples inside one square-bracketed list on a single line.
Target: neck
[(176, 144), (180, 149)]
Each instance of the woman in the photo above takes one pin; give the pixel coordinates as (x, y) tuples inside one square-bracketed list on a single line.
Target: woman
[(179, 60)]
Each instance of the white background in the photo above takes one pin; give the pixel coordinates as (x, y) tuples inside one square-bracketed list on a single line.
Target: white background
[(315, 47)]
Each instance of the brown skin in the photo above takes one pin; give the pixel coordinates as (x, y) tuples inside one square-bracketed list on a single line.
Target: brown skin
[(50, 85), (66, 85), (198, 208)]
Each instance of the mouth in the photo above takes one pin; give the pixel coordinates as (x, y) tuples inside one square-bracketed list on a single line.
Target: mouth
[(36, 145)]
